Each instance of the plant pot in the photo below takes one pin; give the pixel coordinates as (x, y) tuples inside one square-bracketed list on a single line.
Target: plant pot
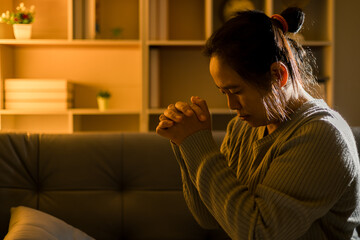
[(22, 31), (103, 103)]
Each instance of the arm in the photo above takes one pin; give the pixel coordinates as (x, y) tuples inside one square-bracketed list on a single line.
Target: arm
[(192, 198), (191, 195), (302, 182)]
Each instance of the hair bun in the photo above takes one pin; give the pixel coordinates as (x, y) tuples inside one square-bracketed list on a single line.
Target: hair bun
[(294, 17)]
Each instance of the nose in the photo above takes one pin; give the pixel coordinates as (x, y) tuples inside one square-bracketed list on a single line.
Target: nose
[(233, 102)]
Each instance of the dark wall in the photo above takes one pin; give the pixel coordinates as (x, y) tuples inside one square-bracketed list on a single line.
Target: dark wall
[(347, 60)]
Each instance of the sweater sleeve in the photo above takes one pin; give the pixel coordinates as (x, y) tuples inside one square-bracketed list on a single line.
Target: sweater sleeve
[(306, 177), (192, 197)]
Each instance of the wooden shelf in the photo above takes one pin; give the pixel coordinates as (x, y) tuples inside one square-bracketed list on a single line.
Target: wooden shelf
[(75, 42), (33, 112), (106, 112), (160, 43), (155, 60), (74, 111)]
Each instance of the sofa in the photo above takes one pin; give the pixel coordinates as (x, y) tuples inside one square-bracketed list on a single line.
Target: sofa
[(103, 185), (107, 185)]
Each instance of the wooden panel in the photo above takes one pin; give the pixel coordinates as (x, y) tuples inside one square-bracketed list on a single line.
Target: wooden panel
[(35, 123)]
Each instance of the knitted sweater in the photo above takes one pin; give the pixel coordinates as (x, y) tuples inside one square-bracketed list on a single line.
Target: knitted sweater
[(299, 182)]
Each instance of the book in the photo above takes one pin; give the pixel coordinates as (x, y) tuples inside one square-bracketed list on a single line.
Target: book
[(38, 95), (158, 19), (89, 17), (153, 14), (84, 18), (17, 84), (154, 78), (163, 19), (39, 105), (78, 19)]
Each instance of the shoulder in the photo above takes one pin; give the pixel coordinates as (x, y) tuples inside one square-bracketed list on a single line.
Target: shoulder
[(319, 121), (325, 124), (325, 138)]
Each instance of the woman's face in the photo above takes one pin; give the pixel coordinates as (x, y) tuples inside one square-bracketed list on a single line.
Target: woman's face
[(241, 96)]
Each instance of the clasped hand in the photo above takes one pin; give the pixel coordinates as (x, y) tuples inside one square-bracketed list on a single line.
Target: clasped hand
[(181, 120)]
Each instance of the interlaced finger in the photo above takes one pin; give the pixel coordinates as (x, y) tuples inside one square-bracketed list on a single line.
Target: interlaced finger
[(173, 114), (184, 108)]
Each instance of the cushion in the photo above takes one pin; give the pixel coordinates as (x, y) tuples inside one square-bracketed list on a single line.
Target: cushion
[(28, 224)]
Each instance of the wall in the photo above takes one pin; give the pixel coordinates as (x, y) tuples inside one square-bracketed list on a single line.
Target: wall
[(347, 60)]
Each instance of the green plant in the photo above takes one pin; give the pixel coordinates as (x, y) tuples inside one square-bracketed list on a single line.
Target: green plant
[(103, 94), (21, 16)]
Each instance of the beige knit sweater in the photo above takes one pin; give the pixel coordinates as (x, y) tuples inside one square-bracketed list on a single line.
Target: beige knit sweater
[(300, 182)]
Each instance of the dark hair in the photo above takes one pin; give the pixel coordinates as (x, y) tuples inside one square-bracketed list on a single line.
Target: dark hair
[(251, 41)]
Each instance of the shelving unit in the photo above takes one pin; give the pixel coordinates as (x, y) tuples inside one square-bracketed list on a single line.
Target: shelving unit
[(146, 52)]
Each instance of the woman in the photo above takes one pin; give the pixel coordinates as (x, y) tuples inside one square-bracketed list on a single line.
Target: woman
[(288, 167)]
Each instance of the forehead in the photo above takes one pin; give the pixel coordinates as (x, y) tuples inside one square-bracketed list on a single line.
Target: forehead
[(224, 76)]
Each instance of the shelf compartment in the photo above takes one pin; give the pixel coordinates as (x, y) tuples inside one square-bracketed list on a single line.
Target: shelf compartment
[(106, 122), (177, 73), (217, 11), (95, 111), (38, 123), (322, 54), (117, 19), (170, 19), (317, 14), (50, 20), (117, 69), (110, 19)]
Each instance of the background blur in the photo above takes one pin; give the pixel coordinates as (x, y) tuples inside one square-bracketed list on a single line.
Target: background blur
[(347, 60)]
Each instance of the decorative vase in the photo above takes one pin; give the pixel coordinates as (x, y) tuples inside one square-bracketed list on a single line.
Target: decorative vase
[(103, 103), (22, 31)]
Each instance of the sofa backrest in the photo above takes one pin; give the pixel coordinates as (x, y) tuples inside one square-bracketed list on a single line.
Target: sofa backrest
[(109, 185)]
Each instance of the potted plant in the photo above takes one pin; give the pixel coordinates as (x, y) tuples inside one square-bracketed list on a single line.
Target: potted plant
[(103, 97), (21, 20)]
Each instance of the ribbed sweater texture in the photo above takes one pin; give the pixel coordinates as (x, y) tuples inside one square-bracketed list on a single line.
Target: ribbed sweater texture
[(299, 182)]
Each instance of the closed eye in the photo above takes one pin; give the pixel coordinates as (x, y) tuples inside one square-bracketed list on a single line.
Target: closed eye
[(236, 91)]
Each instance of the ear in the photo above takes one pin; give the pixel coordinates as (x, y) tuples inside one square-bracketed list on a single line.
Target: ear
[(279, 71)]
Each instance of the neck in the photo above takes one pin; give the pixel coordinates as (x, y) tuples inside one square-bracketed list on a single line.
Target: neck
[(293, 103)]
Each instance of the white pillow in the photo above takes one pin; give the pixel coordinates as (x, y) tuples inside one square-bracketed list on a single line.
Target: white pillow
[(30, 224)]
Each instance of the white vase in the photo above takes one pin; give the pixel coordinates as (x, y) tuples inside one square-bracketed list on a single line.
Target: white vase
[(103, 103), (22, 31)]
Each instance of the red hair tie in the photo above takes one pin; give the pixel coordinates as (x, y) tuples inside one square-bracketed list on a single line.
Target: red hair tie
[(282, 20)]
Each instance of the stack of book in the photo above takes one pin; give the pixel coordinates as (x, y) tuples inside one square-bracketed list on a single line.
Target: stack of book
[(49, 94)]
